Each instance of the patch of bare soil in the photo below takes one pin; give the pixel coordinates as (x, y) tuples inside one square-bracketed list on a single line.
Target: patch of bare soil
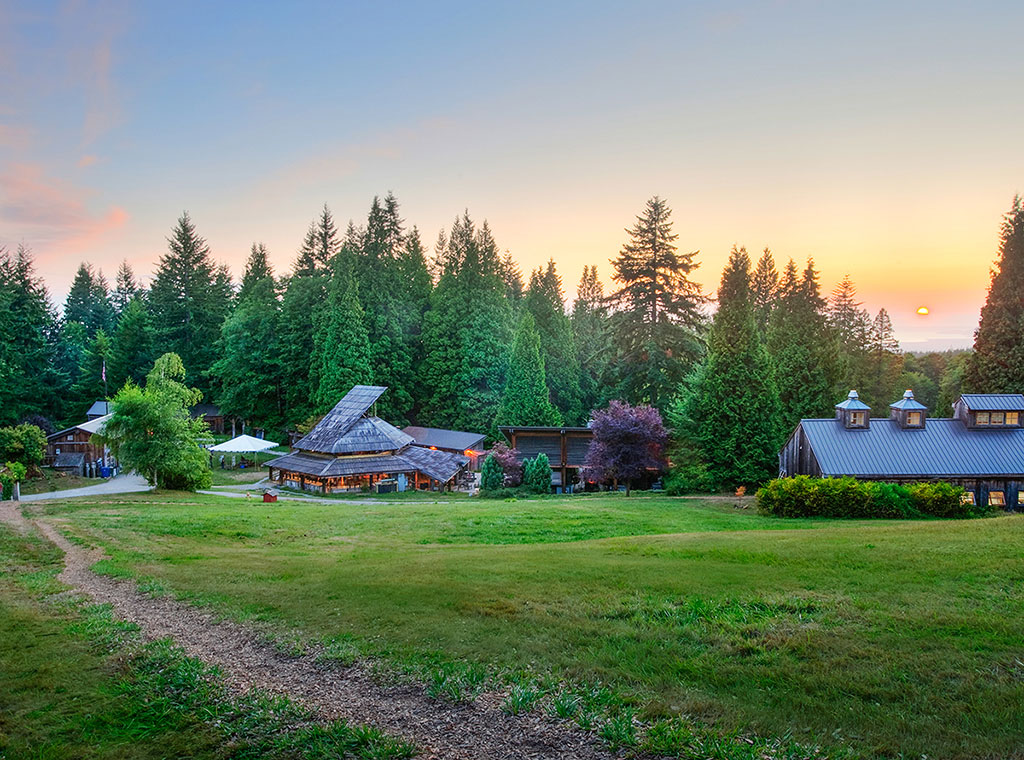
[(441, 730)]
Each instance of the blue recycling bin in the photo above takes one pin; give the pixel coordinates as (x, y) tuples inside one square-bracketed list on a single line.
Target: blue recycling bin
[(104, 472)]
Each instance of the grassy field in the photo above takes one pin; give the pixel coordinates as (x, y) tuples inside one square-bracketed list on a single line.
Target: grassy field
[(880, 637), (53, 480)]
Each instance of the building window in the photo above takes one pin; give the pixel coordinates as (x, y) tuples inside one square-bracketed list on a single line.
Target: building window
[(1013, 418), (967, 498), (997, 498), (981, 418), (914, 419), (996, 418), (71, 437), (857, 419)]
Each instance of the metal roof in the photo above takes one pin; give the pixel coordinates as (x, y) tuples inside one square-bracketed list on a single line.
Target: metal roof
[(852, 402), (98, 409), (445, 439), (92, 426), (943, 448), (908, 402), (327, 437), (439, 465), (997, 402)]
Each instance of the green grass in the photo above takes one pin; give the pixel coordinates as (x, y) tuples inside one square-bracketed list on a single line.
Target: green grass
[(75, 683), (53, 480), (887, 638)]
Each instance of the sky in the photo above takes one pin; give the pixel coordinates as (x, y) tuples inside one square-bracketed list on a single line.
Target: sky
[(881, 139)]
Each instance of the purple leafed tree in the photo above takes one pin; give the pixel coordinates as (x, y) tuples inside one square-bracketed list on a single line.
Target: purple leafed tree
[(510, 464), (628, 442)]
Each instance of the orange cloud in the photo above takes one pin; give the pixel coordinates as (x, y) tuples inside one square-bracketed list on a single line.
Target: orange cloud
[(49, 213)]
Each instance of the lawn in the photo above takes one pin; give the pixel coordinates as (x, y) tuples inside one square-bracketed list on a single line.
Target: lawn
[(880, 637), (54, 480)]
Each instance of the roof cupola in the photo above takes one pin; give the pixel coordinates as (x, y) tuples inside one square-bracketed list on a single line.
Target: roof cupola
[(908, 412), (853, 413)]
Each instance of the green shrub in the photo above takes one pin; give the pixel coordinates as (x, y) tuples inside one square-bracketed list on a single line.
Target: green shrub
[(492, 477), (804, 496), (537, 474)]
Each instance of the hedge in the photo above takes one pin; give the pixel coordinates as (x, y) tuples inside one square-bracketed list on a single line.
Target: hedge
[(804, 496)]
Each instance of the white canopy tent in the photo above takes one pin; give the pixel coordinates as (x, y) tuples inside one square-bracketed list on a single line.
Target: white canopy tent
[(243, 444)]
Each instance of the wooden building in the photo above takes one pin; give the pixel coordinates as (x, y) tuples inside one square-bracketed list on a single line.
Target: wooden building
[(565, 447), (211, 415), (71, 449), (453, 441), (981, 447), (351, 449)]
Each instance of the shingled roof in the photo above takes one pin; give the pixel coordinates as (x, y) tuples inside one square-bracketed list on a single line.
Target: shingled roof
[(346, 430)]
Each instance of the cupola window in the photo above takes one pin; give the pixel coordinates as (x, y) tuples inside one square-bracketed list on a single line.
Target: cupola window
[(853, 413), (908, 412)]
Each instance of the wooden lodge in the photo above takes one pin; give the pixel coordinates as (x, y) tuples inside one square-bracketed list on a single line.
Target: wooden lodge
[(453, 441), (981, 447), (565, 447), (352, 449), (71, 450)]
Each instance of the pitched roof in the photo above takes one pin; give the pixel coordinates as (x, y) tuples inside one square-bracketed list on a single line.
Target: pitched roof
[(98, 409), (92, 426), (330, 431), (943, 448), (997, 402), (852, 402), (908, 402), (205, 410), (445, 439), (68, 459), (439, 465)]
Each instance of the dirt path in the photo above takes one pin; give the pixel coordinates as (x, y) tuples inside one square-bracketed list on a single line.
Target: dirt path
[(441, 730)]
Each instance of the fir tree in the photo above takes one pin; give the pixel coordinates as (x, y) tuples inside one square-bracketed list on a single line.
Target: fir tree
[(342, 348), (248, 369), (545, 302), (133, 349), (731, 410), (658, 314), (764, 290), (525, 400), (801, 347), (189, 300), (88, 301), (592, 338), (884, 365), (492, 477), (997, 365), (91, 385), (126, 288)]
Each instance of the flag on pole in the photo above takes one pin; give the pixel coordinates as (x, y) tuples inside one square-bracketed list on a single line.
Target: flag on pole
[(103, 372)]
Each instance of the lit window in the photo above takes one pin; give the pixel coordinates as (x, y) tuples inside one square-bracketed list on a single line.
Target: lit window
[(913, 418), (967, 498), (1012, 418), (981, 418), (996, 418), (856, 418), (997, 498)]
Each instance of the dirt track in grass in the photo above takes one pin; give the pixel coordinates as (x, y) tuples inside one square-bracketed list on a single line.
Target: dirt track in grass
[(439, 729)]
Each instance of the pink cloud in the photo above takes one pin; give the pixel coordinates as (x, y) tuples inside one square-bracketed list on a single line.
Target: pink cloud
[(49, 213), (87, 160)]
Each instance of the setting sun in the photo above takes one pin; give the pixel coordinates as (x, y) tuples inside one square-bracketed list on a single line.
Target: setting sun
[(923, 310)]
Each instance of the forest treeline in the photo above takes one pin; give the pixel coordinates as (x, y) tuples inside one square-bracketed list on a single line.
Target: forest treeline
[(464, 339)]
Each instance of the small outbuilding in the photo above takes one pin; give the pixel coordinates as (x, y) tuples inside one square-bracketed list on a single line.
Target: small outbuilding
[(981, 447), (565, 447)]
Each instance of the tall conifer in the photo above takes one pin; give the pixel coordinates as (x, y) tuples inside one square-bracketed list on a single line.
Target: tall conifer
[(525, 399), (342, 348), (545, 302)]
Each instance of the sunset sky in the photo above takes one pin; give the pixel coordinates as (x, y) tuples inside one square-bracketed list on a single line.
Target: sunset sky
[(883, 139)]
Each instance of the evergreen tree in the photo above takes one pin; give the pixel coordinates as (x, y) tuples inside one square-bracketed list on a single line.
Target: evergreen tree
[(91, 385), (417, 285), (884, 365), (592, 339), (72, 342), (512, 276), (731, 410), (189, 299), (126, 288), (492, 477), (248, 370), (997, 365), (764, 290), (28, 342), (88, 301), (304, 296), (537, 474), (525, 400), (801, 347), (658, 316), (132, 351), (545, 302), (341, 345)]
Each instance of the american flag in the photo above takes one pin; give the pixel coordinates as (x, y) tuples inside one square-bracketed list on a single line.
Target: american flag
[(103, 372)]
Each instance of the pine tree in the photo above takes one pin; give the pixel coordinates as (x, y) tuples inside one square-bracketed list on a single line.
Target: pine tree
[(189, 300), (801, 347), (417, 285), (592, 338), (91, 386), (126, 288), (658, 316), (884, 365), (133, 349), (544, 301), (248, 370), (997, 365), (764, 290), (525, 400), (88, 301), (851, 328), (304, 297), (341, 345), (731, 410)]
